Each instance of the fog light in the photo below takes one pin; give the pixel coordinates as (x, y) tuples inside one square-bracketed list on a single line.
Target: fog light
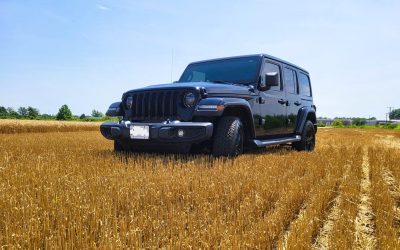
[(181, 133)]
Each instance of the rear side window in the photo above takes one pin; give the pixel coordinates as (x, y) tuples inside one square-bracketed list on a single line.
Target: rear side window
[(290, 80), (304, 84)]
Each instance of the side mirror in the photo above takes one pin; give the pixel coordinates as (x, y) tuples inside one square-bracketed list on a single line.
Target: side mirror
[(261, 86), (270, 79), (114, 109)]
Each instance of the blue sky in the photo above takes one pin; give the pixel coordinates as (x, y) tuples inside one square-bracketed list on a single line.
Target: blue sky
[(87, 53)]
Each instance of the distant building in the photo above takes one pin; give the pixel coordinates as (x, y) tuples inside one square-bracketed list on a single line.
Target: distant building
[(326, 122), (347, 122), (381, 122), (395, 122), (371, 122), (329, 122)]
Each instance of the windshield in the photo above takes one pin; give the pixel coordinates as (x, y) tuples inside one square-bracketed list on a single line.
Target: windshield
[(236, 70)]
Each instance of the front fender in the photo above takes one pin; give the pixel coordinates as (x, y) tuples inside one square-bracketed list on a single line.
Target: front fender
[(216, 107), (115, 109)]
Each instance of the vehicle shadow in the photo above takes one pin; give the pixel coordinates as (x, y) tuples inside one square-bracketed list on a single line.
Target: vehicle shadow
[(279, 149), (206, 158)]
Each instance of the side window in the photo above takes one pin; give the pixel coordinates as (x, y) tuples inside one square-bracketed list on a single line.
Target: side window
[(304, 84), (271, 68), (289, 80)]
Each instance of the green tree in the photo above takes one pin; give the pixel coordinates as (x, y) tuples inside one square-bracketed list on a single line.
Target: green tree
[(47, 117), (33, 113), (96, 113), (12, 113), (395, 114), (64, 113), (83, 116), (22, 111), (3, 112), (359, 121), (337, 123)]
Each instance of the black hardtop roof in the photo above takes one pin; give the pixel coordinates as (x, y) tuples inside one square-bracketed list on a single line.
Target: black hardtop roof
[(254, 55)]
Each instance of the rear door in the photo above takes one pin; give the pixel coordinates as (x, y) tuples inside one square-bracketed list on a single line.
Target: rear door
[(292, 96)]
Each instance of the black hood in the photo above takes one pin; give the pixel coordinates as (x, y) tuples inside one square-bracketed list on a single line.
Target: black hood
[(211, 88)]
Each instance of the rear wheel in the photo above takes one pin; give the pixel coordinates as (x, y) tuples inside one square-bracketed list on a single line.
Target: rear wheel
[(228, 137), (307, 142)]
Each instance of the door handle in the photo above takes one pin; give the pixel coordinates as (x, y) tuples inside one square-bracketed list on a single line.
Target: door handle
[(282, 101), (297, 103)]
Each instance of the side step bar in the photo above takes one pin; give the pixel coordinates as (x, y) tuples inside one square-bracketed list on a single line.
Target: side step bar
[(263, 143)]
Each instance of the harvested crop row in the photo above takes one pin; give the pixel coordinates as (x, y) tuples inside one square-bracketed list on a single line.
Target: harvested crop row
[(342, 233), (392, 161), (385, 202), (26, 126), (304, 230), (268, 230), (365, 221)]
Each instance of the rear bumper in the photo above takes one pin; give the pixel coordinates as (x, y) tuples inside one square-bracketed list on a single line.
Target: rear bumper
[(193, 132)]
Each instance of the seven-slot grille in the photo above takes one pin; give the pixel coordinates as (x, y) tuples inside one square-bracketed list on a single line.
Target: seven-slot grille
[(155, 105)]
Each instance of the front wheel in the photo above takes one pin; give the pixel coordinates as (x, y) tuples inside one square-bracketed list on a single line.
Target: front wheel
[(118, 146), (228, 137), (307, 142)]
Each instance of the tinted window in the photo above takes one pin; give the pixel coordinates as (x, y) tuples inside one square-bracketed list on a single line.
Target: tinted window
[(236, 70), (272, 68), (304, 82), (290, 80), (198, 77)]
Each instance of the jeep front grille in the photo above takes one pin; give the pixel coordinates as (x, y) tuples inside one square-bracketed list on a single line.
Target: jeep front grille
[(155, 105)]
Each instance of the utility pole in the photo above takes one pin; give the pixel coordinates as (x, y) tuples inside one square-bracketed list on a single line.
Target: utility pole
[(172, 63), (390, 111)]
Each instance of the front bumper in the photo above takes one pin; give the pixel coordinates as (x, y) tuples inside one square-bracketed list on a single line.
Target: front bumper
[(193, 132)]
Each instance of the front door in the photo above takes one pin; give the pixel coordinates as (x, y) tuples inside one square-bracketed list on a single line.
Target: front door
[(272, 105)]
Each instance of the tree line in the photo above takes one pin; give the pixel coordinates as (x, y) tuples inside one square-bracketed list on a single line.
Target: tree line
[(64, 113), (395, 114)]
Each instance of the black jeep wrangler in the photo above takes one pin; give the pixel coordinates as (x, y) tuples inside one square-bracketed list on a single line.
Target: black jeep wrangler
[(220, 105)]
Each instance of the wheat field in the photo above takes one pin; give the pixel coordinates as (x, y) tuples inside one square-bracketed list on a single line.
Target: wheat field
[(69, 190)]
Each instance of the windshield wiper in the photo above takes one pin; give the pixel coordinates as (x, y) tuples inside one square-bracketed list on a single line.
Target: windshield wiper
[(220, 81), (226, 82)]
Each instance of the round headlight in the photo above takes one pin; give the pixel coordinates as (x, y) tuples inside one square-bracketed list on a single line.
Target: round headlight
[(189, 99), (129, 102)]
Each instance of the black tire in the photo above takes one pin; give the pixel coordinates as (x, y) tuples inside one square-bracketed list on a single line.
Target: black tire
[(118, 146), (228, 137), (307, 142)]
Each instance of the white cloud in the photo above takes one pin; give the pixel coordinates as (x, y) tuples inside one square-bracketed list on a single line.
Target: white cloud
[(102, 7)]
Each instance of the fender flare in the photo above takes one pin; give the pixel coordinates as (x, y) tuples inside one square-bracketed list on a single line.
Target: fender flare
[(302, 115), (115, 109), (228, 105)]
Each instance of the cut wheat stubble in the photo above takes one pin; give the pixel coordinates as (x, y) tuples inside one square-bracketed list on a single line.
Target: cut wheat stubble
[(364, 223)]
